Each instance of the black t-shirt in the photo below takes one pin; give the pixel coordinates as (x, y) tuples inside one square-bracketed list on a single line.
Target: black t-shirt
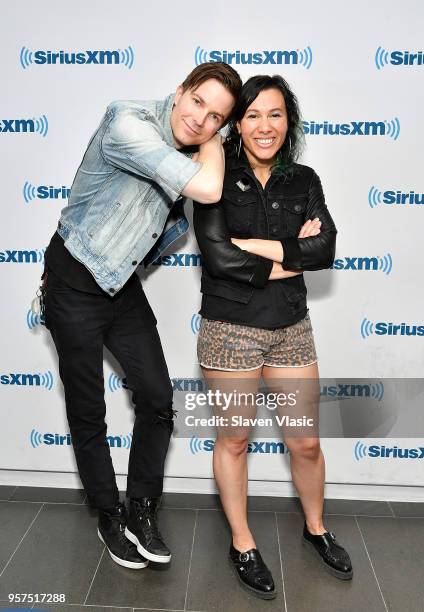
[(267, 308), (71, 271)]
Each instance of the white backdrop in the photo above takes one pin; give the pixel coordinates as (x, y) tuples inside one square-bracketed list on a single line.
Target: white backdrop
[(353, 71)]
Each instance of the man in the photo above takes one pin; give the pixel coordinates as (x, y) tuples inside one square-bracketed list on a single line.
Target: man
[(134, 177)]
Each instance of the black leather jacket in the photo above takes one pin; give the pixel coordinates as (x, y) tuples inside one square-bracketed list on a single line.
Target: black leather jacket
[(277, 212)]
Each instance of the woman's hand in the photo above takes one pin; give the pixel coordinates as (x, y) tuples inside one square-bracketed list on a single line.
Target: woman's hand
[(310, 228)]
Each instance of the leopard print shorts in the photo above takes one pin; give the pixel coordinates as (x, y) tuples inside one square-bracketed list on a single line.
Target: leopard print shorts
[(232, 347)]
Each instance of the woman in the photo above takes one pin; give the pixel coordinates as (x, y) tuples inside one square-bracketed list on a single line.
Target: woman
[(270, 225)]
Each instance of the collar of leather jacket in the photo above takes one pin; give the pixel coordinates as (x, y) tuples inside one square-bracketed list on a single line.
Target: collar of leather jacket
[(238, 168)]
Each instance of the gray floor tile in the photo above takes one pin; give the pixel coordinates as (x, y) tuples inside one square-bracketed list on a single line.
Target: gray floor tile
[(191, 500), (158, 585), (357, 506), (396, 548), (78, 608), (48, 494), (310, 587), (6, 492), (14, 521), (59, 554), (274, 504), (213, 585), (408, 509), (20, 606)]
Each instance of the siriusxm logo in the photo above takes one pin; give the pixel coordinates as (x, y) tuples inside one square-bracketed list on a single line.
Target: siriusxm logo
[(33, 320), (375, 390), (179, 259), (195, 322), (44, 192), (22, 126), (198, 445), (389, 329), (19, 257), (42, 57), (178, 384), (397, 58), (115, 382), (394, 197), (302, 57), (188, 384), (28, 380), (354, 128), (380, 451), (54, 439), (378, 263)]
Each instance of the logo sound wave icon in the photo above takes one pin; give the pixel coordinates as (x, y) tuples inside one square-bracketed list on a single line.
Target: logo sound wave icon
[(377, 391), (381, 58), (393, 128), (127, 57), (35, 438), (196, 445), (47, 380), (360, 451), (25, 57), (115, 382), (305, 57), (34, 319), (367, 328), (29, 192), (374, 197), (196, 320), (41, 125), (200, 56), (126, 441), (385, 264)]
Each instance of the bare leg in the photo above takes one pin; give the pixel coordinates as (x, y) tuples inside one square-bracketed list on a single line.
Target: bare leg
[(306, 459), (229, 457)]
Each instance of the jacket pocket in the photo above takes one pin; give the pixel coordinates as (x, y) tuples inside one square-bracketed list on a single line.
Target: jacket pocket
[(226, 289), (239, 207), (294, 296), (102, 219), (294, 214)]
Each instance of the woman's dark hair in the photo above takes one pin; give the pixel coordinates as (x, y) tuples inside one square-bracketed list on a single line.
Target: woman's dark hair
[(294, 141)]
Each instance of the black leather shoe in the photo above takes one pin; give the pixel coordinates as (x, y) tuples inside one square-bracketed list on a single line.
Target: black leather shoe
[(111, 531), (252, 572), (142, 529), (334, 557)]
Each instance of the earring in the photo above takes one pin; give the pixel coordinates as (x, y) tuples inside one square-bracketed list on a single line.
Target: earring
[(290, 147), (239, 147)]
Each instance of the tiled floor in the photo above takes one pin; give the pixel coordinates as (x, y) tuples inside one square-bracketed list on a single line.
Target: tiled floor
[(48, 544)]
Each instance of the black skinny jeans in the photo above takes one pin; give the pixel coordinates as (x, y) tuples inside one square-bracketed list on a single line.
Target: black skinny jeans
[(80, 324)]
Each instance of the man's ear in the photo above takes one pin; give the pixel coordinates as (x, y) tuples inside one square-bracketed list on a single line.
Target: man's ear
[(178, 93)]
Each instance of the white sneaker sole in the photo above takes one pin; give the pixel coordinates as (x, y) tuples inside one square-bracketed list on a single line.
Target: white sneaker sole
[(130, 564), (156, 558)]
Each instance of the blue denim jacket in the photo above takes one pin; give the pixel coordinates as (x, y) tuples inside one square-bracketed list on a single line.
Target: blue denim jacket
[(122, 195)]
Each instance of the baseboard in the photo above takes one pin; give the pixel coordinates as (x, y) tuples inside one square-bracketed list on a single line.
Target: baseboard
[(372, 492)]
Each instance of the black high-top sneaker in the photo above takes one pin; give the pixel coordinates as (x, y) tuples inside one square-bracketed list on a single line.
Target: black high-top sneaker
[(142, 529), (111, 531)]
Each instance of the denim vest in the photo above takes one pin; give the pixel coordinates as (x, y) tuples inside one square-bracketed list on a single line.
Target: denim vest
[(129, 179)]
